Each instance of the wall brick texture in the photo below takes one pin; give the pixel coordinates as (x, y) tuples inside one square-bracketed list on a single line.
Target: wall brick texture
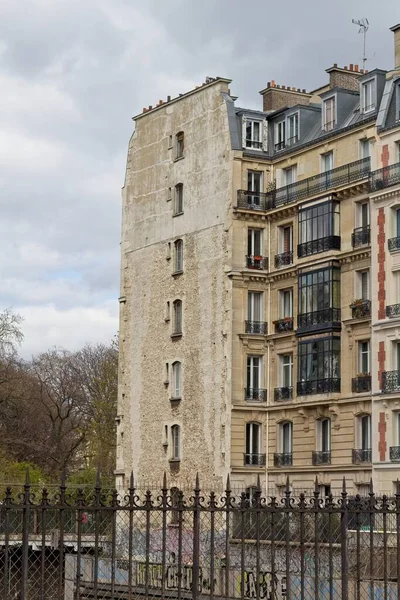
[(381, 362), (381, 264), (382, 446)]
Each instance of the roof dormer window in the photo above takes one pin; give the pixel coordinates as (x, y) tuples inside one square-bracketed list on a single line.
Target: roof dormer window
[(329, 113), (368, 96), (254, 134)]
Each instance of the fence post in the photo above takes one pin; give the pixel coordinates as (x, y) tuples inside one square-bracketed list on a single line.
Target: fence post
[(343, 542), (196, 539), (25, 536)]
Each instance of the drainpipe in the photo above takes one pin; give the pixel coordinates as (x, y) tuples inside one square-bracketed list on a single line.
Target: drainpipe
[(268, 358)]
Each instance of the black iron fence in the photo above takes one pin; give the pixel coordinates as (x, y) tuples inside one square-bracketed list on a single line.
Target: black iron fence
[(98, 544)]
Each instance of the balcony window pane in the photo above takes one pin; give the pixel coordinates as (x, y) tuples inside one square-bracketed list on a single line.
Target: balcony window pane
[(319, 360), (286, 437), (325, 425), (398, 222), (319, 290), (365, 423), (363, 357), (253, 438), (286, 303), (254, 242), (287, 370), (254, 372), (255, 306), (364, 284), (318, 223)]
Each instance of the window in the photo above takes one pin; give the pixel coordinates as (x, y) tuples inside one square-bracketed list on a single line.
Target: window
[(397, 223), (285, 237), (365, 149), (397, 149), (178, 199), (323, 435), (286, 437), (363, 214), (397, 429), (398, 104), (254, 184), (176, 380), (280, 135), (255, 306), (254, 134), (364, 423), (368, 96), (253, 444), (286, 303), (178, 256), (364, 357), (326, 162), (179, 144), (176, 442), (319, 297), (363, 284), (319, 366), (293, 129), (289, 175), (318, 228), (254, 373), (329, 113), (286, 367), (177, 325), (254, 242)]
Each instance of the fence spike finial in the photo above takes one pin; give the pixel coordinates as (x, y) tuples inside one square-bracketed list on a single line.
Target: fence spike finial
[(197, 483), (371, 486), (131, 482), (316, 488), (344, 489), (258, 483), (287, 485), (27, 477), (228, 483), (165, 480), (397, 486)]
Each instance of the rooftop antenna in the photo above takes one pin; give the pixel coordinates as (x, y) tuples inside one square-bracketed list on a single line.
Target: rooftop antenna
[(363, 25)]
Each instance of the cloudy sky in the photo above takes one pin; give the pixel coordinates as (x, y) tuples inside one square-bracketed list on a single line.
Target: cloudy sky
[(73, 72)]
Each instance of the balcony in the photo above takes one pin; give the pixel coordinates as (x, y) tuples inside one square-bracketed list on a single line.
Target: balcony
[(361, 383), (260, 263), (323, 182), (328, 318), (284, 259), (255, 460), (393, 311), (321, 458), (361, 236), (283, 459), (255, 395), (279, 146), (292, 140), (318, 386), (394, 453), (360, 309), (285, 324), (283, 393), (390, 382), (383, 178), (362, 455), (331, 242), (256, 327), (394, 244)]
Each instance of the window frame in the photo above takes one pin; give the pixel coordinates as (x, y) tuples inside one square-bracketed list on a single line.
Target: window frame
[(326, 349), (251, 241), (280, 135), (329, 125), (253, 438), (180, 145), (367, 108), (363, 143), (362, 353), (251, 369), (282, 238), (320, 435), (296, 117), (287, 292), (177, 321), (364, 418), (288, 366), (323, 158), (254, 144), (284, 447), (176, 377), (178, 256), (178, 200), (175, 442), (251, 305), (309, 290), (318, 222), (359, 291), (293, 175)]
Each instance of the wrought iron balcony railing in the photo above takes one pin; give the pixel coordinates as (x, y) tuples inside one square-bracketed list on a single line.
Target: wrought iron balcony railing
[(360, 384), (285, 324), (253, 200), (256, 327), (254, 144), (283, 393), (361, 309), (256, 460), (255, 394), (318, 386), (331, 242), (257, 262), (284, 259), (323, 182), (383, 178), (279, 146), (394, 244), (318, 317), (393, 310), (283, 459), (361, 236), (321, 458), (361, 455), (292, 140), (394, 453), (390, 382)]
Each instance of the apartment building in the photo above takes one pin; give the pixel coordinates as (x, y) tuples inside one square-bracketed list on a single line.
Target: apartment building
[(247, 285)]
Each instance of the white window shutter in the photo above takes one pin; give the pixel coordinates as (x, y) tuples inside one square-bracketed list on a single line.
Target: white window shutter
[(265, 136), (244, 124)]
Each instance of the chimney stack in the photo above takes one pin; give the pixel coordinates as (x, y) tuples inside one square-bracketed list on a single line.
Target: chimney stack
[(396, 31)]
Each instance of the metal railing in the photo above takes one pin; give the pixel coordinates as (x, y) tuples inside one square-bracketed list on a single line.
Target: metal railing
[(390, 382), (360, 384), (283, 393), (284, 324), (361, 455), (394, 453), (385, 177), (361, 236), (254, 144), (284, 259), (292, 140), (321, 458), (394, 244), (279, 146), (393, 310), (361, 309), (257, 262), (318, 317), (256, 327), (255, 394), (331, 242), (198, 545), (252, 200), (283, 459), (318, 386), (256, 460)]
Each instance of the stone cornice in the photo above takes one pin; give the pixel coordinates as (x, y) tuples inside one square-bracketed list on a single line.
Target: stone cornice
[(377, 197)]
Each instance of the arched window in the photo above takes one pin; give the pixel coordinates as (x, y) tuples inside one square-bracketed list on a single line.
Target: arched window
[(178, 208), (176, 442), (180, 139), (178, 256), (177, 324), (176, 380), (253, 454)]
